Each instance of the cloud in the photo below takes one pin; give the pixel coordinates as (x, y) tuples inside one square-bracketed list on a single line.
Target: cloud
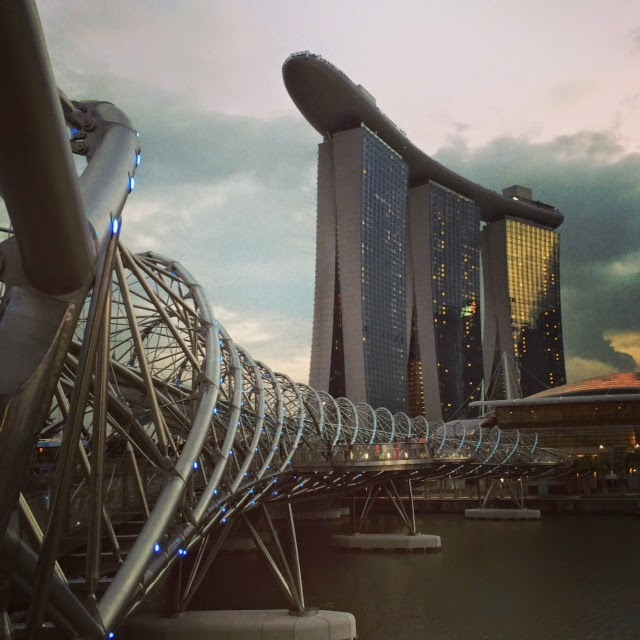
[(233, 199), (626, 342), (594, 182), (280, 340), (583, 369)]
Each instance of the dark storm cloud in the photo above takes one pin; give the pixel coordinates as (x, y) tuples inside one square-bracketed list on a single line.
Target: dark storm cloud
[(236, 199), (200, 146), (597, 187)]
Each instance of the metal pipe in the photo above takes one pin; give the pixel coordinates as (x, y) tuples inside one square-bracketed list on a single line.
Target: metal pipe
[(293, 588), (413, 508), (106, 182), (277, 574), (72, 431), (133, 265), (37, 175), (140, 354), (140, 485), (36, 531), (98, 449), (200, 572), (21, 561), (296, 556), (86, 469)]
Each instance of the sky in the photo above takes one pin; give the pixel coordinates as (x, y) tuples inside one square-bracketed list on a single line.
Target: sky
[(544, 93)]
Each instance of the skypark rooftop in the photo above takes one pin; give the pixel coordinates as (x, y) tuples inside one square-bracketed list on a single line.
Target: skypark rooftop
[(331, 102)]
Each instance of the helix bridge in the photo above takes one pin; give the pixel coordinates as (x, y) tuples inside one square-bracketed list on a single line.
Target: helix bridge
[(133, 430)]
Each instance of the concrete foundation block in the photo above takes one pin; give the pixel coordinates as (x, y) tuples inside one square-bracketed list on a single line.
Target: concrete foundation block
[(318, 514), (275, 624), (387, 541), (502, 514)]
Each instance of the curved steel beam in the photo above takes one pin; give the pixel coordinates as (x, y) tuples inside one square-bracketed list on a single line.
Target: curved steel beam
[(37, 175)]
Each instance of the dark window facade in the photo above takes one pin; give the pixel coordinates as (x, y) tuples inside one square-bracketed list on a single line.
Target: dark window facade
[(534, 293), (455, 275), (384, 273)]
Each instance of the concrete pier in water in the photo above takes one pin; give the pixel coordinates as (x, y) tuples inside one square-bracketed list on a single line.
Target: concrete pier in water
[(388, 541), (275, 624), (502, 514)]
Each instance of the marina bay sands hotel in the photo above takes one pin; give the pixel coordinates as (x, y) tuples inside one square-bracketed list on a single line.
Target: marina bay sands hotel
[(426, 283)]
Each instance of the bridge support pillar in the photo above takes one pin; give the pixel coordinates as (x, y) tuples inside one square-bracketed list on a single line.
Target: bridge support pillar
[(517, 498), (412, 540), (277, 624)]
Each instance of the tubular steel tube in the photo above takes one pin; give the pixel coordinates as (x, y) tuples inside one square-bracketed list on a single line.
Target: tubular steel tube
[(37, 175), (22, 561), (72, 432), (142, 361), (98, 449)]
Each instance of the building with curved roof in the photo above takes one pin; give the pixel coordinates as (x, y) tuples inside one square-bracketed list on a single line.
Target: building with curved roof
[(400, 249), (599, 416), (331, 102)]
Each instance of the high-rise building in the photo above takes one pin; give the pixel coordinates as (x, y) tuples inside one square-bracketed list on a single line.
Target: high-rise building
[(446, 336), (398, 308), (359, 333), (523, 325)]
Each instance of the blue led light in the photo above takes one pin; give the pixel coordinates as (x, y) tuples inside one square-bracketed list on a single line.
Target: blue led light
[(156, 548), (182, 552), (138, 159), (132, 183), (115, 226), (215, 492), (230, 452), (195, 465), (223, 509), (111, 635), (224, 520)]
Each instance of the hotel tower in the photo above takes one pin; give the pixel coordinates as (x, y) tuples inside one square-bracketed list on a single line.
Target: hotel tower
[(403, 245)]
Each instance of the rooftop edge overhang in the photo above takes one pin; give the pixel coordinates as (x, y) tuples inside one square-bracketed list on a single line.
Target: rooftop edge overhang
[(331, 102), (558, 400)]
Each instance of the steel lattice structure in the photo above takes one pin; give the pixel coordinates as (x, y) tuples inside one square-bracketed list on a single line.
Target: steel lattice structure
[(163, 423)]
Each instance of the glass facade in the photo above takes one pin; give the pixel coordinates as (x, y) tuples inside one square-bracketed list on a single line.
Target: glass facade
[(534, 294), (455, 277), (384, 273), (417, 406)]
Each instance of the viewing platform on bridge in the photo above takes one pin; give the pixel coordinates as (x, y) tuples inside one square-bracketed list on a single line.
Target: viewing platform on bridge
[(405, 456), (391, 456)]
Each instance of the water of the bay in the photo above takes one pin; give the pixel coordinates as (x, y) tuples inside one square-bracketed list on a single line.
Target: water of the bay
[(561, 578)]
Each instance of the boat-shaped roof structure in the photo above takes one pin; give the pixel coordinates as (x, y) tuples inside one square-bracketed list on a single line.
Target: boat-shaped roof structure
[(331, 102)]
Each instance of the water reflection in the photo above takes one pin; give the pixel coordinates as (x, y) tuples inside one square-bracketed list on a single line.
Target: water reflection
[(562, 578)]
